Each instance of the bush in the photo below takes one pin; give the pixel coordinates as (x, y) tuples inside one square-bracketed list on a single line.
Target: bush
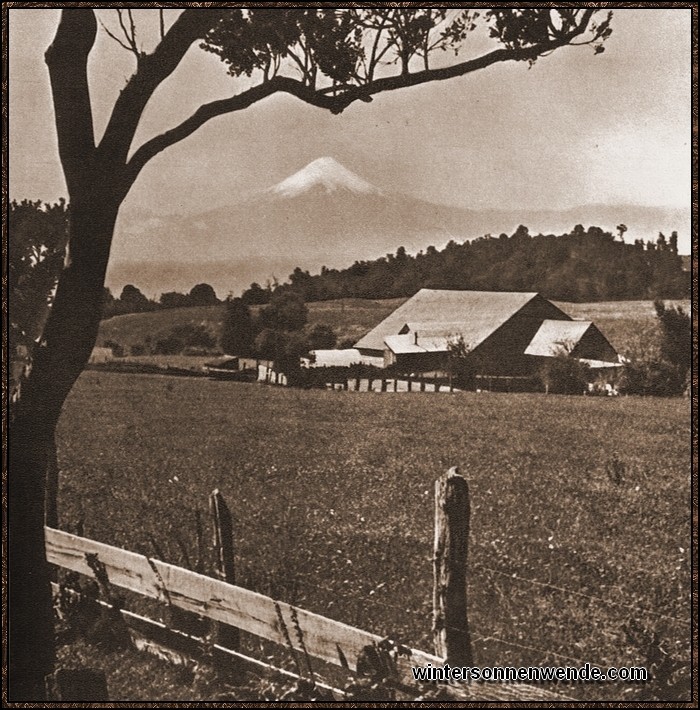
[(238, 330), (657, 378), (663, 372), (285, 312), (322, 337), (170, 345), (565, 375), (138, 349)]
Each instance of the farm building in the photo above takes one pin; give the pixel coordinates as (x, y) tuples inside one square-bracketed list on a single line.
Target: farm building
[(341, 358), (507, 334)]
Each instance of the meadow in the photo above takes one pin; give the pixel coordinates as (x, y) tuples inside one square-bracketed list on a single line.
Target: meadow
[(629, 325), (580, 506)]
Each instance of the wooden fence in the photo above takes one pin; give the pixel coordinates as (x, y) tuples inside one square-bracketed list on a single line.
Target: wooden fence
[(270, 376), (302, 632)]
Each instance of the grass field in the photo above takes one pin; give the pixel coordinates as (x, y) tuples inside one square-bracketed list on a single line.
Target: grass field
[(349, 317), (580, 527), (625, 323)]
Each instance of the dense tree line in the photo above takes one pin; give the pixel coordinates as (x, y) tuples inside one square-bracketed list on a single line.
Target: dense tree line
[(583, 265), (279, 332), (132, 300)]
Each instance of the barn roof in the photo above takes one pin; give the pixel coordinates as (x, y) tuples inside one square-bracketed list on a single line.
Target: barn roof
[(478, 314), (553, 335)]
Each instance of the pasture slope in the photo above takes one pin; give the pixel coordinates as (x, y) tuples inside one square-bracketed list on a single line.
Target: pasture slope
[(580, 527), (627, 324)]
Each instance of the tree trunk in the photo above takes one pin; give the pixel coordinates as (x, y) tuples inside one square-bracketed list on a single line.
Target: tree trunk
[(68, 339)]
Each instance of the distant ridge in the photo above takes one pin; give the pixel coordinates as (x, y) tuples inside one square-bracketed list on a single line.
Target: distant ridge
[(327, 215)]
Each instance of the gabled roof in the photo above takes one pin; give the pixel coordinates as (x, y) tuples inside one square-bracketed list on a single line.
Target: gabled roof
[(555, 336), (478, 313)]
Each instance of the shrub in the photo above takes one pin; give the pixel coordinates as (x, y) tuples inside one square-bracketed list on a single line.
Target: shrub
[(170, 345), (322, 337), (564, 374), (657, 378), (662, 372), (238, 330), (185, 336)]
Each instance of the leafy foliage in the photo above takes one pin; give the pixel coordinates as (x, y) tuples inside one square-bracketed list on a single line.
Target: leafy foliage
[(37, 234), (238, 331), (133, 301), (564, 374), (664, 374), (285, 312), (460, 364), (676, 335), (583, 265), (322, 337), (347, 46), (203, 295), (185, 337)]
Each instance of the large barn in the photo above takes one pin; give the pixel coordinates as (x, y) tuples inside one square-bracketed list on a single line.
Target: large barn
[(506, 334)]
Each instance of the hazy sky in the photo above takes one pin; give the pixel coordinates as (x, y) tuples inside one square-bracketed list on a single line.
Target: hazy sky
[(575, 129)]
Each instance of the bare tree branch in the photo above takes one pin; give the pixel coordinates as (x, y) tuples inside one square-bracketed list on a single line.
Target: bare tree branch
[(151, 71), (111, 35), (277, 84), (129, 35), (325, 99), (133, 30)]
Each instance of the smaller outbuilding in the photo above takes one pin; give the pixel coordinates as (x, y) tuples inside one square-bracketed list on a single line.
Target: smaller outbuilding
[(340, 358)]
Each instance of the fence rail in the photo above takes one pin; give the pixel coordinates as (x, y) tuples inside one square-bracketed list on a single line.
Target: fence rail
[(302, 631)]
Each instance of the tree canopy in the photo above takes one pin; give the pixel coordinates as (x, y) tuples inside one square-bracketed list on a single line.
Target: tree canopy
[(583, 265), (38, 234)]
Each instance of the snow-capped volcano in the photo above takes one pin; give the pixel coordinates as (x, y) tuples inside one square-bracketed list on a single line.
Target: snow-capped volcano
[(324, 175), (325, 215)]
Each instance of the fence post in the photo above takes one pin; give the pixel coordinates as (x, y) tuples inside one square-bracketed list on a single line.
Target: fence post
[(227, 636), (450, 623)]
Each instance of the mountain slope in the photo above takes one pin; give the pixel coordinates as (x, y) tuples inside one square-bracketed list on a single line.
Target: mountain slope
[(325, 214)]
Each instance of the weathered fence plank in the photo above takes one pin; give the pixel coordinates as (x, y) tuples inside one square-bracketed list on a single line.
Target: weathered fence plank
[(235, 606), (450, 623), (255, 613)]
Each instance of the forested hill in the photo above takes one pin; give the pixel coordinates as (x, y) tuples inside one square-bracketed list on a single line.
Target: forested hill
[(584, 265)]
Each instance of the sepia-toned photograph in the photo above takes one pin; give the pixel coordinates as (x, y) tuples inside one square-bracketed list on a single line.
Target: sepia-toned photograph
[(349, 353)]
